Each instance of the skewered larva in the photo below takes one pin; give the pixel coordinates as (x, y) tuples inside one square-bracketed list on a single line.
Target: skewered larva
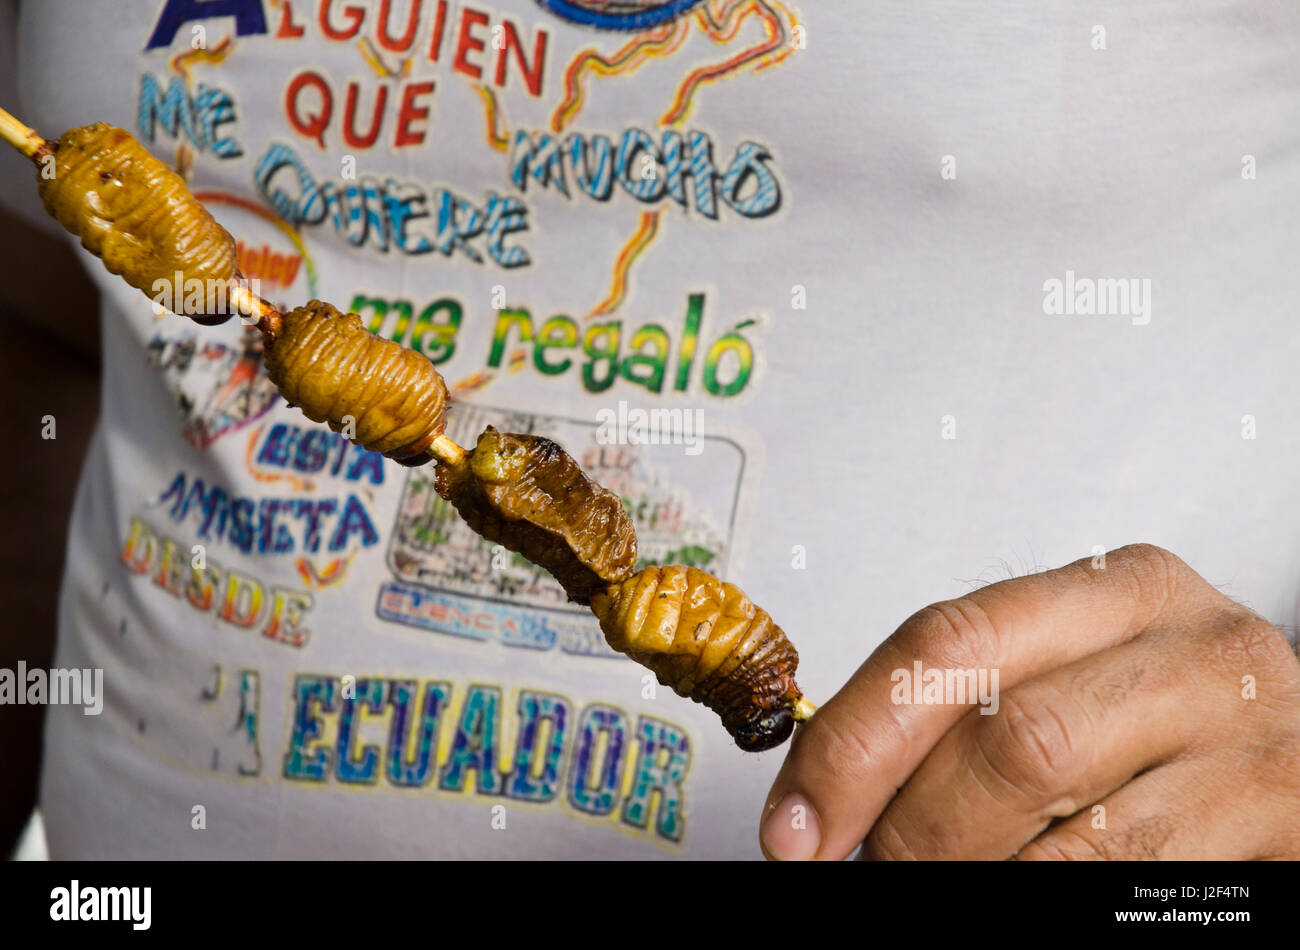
[(136, 214), (710, 643), (529, 495), (384, 396), (701, 636)]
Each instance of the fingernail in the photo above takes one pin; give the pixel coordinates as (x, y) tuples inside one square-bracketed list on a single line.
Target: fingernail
[(791, 832)]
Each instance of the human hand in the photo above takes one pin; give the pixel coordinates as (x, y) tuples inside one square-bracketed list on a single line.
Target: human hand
[(1140, 713)]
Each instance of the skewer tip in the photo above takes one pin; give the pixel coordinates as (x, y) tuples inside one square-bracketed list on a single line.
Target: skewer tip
[(445, 450), (23, 138)]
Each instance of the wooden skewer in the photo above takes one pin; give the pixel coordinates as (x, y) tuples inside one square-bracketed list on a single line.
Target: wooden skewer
[(24, 138), (447, 451), (249, 304), (269, 320)]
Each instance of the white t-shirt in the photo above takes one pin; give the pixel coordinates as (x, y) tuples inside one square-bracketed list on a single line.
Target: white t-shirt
[(950, 291)]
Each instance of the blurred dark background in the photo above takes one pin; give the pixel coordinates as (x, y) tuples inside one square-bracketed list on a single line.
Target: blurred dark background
[(49, 365)]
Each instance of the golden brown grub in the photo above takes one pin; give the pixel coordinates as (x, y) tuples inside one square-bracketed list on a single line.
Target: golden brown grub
[(710, 643), (386, 397), (136, 214), (528, 494)]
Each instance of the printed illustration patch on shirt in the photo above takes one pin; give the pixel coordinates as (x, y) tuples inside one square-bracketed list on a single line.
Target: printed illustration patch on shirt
[(218, 388), (684, 500)]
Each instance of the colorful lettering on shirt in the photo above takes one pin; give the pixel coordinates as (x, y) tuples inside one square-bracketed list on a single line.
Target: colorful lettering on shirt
[(661, 766), (197, 116), (250, 18), (186, 572), (537, 762), (359, 765), (432, 333), (413, 744), (314, 696), (648, 172), (273, 268), (647, 361), (472, 41), (235, 750), (628, 776), (598, 761), (474, 746), (288, 525), (317, 451), (596, 773), (369, 213), (447, 612)]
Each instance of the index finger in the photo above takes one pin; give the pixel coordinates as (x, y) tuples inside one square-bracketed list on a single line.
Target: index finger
[(849, 759)]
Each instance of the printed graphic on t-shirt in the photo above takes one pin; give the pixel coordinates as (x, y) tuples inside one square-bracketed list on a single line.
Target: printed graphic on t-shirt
[(683, 500), (619, 14), (218, 388), (658, 172), (596, 761), (344, 156)]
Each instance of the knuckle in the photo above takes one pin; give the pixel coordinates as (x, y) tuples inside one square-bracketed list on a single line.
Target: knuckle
[(1030, 745), (1271, 757), (1247, 644), (887, 842), (1062, 845), (953, 633), (834, 750), (1285, 782), (1152, 571), (1146, 839), (1143, 555)]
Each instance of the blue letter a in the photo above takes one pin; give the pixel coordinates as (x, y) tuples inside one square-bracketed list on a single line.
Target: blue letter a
[(249, 18)]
